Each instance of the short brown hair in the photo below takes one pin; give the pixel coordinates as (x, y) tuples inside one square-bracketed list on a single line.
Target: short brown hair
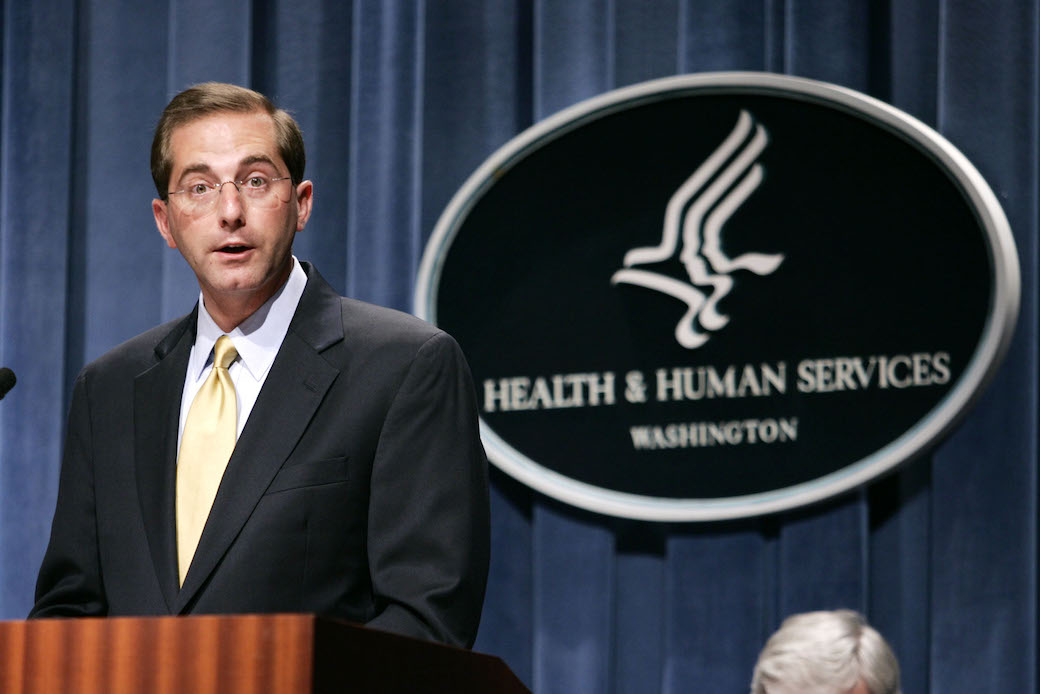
[(217, 97)]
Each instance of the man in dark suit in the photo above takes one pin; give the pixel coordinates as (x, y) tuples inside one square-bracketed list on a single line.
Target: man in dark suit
[(353, 483)]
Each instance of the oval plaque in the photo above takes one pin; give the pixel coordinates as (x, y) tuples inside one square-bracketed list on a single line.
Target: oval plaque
[(721, 295)]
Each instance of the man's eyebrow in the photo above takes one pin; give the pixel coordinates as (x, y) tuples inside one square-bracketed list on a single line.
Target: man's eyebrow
[(193, 169), (257, 159), (202, 168)]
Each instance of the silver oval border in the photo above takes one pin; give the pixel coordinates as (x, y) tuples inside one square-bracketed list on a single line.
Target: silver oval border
[(997, 331)]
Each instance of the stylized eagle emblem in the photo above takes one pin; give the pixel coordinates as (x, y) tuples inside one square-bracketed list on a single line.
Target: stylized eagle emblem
[(700, 208)]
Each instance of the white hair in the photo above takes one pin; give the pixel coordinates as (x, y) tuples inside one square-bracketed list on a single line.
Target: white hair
[(825, 653)]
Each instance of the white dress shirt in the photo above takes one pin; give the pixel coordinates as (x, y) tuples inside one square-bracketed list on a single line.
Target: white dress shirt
[(257, 341)]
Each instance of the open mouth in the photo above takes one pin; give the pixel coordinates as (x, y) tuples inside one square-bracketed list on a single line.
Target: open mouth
[(233, 249)]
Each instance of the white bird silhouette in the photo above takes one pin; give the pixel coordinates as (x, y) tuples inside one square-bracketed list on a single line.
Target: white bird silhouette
[(699, 210)]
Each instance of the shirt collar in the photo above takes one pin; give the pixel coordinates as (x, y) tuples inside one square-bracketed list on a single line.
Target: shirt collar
[(258, 338)]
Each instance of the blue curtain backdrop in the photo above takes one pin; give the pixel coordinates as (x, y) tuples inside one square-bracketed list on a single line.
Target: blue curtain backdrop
[(399, 101)]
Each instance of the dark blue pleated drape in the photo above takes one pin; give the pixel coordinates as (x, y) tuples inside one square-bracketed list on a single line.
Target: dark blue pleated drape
[(400, 100)]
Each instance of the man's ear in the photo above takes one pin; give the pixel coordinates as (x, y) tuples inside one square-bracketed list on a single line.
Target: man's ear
[(304, 200), (160, 210)]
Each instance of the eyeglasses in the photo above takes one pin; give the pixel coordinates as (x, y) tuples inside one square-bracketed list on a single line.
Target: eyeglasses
[(201, 198)]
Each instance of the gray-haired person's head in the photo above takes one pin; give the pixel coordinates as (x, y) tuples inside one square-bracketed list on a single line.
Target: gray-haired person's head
[(826, 653)]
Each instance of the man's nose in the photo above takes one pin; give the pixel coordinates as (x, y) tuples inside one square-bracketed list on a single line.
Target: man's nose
[(230, 205)]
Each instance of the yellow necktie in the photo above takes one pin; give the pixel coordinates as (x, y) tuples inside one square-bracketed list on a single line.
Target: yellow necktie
[(206, 445)]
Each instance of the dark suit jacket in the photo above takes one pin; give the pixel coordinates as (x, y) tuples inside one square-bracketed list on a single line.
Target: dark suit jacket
[(357, 489)]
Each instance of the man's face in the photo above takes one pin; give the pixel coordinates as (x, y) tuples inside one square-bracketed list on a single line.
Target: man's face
[(239, 250)]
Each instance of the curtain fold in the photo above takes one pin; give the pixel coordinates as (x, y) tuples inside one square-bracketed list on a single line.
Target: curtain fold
[(36, 164), (399, 102)]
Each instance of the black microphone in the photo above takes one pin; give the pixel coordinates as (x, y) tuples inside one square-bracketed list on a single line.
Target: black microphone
[(7, 381)]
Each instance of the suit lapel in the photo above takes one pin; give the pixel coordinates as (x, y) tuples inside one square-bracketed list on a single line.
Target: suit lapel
[(157, 400), (291, 394)]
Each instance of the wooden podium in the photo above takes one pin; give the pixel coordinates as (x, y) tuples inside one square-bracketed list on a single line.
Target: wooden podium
[(249, 654)]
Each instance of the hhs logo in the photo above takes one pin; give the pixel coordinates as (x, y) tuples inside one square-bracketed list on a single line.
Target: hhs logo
[(700, 208)]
